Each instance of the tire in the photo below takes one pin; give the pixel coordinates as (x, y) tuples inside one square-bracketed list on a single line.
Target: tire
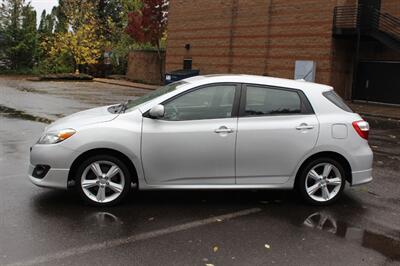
[(322, 186), (103, 180)]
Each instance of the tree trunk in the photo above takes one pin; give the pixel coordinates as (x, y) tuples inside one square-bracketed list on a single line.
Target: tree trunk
[(76, 67)]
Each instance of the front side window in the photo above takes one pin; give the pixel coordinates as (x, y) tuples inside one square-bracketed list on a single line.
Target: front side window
[(271, 101), (210, 102)]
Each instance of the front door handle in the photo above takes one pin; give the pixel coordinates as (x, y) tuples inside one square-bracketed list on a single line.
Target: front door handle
[(304, 126), (223, 129)]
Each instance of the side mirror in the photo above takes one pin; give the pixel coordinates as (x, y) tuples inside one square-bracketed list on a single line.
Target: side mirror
[(157, 111)]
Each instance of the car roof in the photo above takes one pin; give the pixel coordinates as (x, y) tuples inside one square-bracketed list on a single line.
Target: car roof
[(260, 80)]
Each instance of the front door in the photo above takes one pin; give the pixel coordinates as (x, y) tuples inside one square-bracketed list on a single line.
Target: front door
[(194, 143), (276, 129)]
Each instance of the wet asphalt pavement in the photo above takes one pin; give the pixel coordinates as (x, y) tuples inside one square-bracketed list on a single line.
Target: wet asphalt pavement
[(48, 227)]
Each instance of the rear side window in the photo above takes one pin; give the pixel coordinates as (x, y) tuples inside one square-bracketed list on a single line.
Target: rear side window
[(337, 100), (262, 101)]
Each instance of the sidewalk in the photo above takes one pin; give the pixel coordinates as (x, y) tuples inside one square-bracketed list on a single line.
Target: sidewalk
[(376, 110), (126, 83)]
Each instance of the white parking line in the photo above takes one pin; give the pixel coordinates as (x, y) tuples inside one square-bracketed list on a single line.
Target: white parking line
[(134, 238)]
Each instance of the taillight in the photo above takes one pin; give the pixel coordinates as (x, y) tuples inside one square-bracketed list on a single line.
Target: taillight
[(362, 128)]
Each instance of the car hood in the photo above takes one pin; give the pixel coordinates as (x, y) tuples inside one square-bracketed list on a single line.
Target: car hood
[(83, 118)]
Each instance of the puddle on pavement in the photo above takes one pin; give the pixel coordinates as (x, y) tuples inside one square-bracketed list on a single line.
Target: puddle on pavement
[(31, 90), (386, 245), (14, 113), (103, 219)]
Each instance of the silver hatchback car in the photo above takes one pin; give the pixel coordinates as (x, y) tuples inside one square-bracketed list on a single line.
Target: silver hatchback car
[(209, 132)]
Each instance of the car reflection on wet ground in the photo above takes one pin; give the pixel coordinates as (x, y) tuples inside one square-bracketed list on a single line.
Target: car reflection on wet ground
[(388, 246), (47, 227)]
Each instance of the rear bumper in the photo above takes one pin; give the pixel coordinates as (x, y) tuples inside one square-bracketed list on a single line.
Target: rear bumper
[(361, 160), (361, 177)]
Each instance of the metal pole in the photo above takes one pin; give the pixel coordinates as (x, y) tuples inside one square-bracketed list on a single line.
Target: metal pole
[(357, 56), (356, 62)]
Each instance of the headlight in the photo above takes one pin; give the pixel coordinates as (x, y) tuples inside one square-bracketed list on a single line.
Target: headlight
[(55, 137)]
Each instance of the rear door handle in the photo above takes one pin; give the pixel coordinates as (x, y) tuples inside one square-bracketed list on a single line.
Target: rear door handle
[(223, 129), (304, 126)]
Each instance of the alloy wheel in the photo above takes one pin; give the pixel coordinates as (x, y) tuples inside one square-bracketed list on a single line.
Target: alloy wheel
[(102, 181), (323, 182)]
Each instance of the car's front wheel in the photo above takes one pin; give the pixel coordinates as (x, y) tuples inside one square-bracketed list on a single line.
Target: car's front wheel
[(103, 180), (322, 181)]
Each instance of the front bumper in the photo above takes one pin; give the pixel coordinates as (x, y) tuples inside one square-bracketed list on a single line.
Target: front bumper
[(55, 178), (58, 158)]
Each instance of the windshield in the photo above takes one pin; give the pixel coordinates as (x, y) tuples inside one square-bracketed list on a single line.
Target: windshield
[(154, 94)]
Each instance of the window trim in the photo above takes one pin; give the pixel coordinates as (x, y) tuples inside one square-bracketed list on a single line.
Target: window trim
[(305, 103), (235, 105)]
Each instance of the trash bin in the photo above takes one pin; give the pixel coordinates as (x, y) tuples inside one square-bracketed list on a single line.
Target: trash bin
[(180, 74)]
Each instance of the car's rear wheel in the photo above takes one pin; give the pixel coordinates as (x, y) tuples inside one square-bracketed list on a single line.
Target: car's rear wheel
[(103, 180), (321, 181)]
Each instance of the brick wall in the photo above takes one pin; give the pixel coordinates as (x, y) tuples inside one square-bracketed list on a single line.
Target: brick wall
[(206, 26), (250, 36), (261, 37), (144, 66), (391, 6)]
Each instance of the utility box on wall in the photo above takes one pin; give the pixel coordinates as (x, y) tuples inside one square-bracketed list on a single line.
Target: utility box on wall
[(305, 70)]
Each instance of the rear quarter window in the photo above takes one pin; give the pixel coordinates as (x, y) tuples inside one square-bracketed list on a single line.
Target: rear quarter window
[(333, 97)]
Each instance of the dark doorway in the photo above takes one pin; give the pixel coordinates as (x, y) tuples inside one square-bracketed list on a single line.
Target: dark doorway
[(367, 11), (378, 82), (371, 3)]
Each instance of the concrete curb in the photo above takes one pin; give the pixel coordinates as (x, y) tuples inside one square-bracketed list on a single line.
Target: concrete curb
[(126, 83)]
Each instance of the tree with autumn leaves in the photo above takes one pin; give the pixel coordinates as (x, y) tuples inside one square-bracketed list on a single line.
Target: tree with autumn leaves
[(147, 25), (81, 41), (92, 27), (77, 32)]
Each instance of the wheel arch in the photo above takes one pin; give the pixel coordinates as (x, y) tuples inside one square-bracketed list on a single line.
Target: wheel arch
[(329, 154), (89, 153)]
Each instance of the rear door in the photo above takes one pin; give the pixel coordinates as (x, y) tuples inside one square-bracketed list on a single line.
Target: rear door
[(276, 128)]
